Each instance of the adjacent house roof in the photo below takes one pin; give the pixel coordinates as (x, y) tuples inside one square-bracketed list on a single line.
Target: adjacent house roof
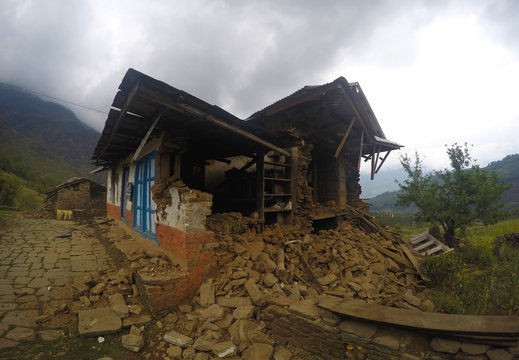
[(75, 181)]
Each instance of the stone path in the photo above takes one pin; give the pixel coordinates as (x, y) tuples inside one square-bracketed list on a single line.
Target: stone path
[(36, 273)]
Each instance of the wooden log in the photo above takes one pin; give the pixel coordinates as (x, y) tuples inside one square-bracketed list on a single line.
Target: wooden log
[(280, 260), (467, 326), (309, 268)]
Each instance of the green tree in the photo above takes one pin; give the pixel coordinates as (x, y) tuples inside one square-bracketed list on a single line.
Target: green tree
[(453, 197), (9, 185)]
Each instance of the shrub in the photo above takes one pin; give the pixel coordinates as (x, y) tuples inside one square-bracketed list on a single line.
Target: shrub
[(9, 185), (441, 269), (477, 255)]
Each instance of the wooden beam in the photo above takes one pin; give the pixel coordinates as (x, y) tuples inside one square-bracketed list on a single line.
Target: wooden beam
[(374, 164), (145, 138), (212, 119), (260, 185), (382, 161), (122, 114), (372, 161), (357, 114), (341, 145), (360, 149), (98, 169)]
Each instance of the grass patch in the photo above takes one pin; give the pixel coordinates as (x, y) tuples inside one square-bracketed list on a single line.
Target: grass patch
[(484, 236), (474, 281)]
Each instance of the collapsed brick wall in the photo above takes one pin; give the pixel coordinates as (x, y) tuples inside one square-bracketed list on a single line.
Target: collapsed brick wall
[(353, 188), (304, 194)]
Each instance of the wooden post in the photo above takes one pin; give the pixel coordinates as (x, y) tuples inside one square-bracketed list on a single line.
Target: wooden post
[(260, 185), (372, 161), (360, 149), (293, 180)]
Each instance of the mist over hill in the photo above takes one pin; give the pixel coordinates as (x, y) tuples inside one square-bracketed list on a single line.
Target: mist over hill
[(42, 142)]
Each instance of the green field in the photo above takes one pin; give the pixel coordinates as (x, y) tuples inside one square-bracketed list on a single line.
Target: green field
[(474, 280)]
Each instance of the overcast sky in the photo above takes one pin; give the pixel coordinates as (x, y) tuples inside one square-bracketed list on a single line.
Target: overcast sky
[(435, 72)]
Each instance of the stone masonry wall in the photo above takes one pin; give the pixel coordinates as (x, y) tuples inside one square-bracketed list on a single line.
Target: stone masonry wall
[(74, 197)]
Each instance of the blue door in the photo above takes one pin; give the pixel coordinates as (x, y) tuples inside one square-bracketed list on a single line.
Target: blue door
[(144, 207)]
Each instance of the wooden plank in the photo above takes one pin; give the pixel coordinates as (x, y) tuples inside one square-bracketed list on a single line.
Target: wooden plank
[(372, 225), (398, 258), (485, 325), (277, 179), (341, 145), (433, 250), (413, 261), (423, 245), (418, 238)]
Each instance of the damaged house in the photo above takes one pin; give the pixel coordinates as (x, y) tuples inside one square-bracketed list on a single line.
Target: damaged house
[(173, 159)]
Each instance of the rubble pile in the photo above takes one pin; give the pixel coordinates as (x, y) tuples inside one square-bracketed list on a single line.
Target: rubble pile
[(282, 269), (285, 261), (510, 239), (47, 210), (114, 290)]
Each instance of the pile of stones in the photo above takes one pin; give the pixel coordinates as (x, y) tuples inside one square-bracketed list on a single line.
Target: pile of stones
[(287, 268)]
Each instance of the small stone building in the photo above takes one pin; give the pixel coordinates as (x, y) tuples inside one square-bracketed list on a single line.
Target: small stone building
[(82, 196), (172, 160)]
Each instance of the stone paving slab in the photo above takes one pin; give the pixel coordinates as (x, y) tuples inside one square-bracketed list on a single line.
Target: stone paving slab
[(36, 274)]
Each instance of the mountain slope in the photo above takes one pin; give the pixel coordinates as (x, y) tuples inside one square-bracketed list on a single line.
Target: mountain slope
[(28, 160), (508, 167), (50, 125)]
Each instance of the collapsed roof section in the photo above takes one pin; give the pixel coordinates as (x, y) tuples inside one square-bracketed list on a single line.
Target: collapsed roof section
[(327, 114)]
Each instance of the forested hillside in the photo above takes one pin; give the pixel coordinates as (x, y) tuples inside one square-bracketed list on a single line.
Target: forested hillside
[(50, 125)]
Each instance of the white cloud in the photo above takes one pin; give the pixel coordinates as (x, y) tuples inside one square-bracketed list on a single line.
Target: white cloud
[(434, 72)]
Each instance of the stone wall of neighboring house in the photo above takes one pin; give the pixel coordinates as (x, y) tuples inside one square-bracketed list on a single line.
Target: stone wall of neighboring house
[(327, 335), (74, 197)]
